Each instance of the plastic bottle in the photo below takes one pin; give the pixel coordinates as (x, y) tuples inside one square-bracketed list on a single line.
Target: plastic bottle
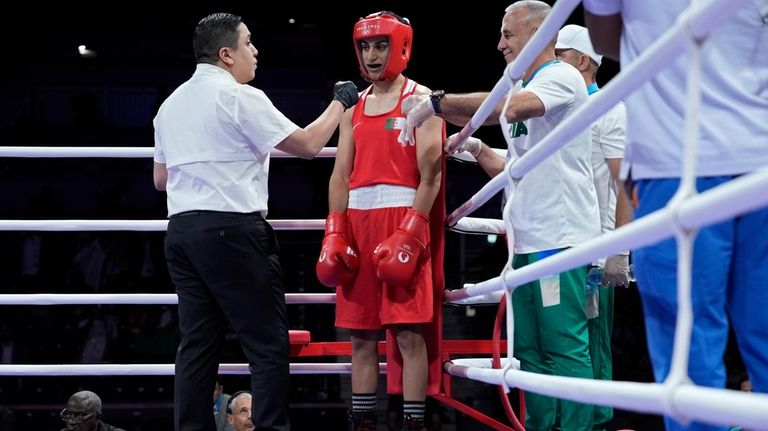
[(596, 274)]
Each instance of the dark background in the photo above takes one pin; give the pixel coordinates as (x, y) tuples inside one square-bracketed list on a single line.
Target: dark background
[(50, 96)]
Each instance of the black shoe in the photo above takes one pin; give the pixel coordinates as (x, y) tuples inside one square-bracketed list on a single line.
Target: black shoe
[(411, 424), (363, 421)]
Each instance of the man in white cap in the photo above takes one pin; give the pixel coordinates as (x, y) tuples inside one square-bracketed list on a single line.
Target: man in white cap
[(574, 47)]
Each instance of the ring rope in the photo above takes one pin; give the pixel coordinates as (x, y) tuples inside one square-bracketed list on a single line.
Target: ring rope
[(161, 369), (734, 198), (467, 225), (135, 298), (134, 225), (117, 152)]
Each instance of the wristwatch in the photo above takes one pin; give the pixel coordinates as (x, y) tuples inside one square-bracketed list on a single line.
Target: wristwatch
[(435, 97)]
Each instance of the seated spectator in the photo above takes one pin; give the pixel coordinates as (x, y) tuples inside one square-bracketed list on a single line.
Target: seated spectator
[(220, 403), (239, 411), (83, 413)]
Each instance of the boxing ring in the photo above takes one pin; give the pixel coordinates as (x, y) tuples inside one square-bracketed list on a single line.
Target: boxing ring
[(676, 397)]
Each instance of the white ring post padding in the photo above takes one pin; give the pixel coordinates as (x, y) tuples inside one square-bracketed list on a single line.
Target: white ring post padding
[(160, 369), (490, 298), (117, 152), (483, 362), (480, 226), (720, 406), (135, 298), (133, 225)]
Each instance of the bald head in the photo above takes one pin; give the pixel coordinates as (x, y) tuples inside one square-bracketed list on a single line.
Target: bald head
[(86, 401), (521, 20), (533, 11)]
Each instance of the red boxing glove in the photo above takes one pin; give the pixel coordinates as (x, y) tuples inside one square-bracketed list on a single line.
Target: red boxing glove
[(397, 258), (338, 262)]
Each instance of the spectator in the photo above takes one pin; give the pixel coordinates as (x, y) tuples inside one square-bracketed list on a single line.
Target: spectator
[(83, 413), (239, 411), (220, 403)]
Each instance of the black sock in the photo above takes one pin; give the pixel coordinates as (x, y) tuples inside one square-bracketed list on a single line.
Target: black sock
[(364, 403), (414, 410)]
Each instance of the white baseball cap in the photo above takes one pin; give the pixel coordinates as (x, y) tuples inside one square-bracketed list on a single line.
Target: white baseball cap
[(576, 37)]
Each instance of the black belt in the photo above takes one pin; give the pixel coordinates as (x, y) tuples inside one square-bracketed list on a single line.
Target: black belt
[(191, 213), (202, 212)]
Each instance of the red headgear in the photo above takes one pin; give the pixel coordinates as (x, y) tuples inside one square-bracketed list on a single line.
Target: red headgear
[(400, 35)]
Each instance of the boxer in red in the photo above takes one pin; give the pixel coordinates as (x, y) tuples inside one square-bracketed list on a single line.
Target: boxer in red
[(383, 247)]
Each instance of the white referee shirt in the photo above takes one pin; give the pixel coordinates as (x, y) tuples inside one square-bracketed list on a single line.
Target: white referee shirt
[(214, 135)]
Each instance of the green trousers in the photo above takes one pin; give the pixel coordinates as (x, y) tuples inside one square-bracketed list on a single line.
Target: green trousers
[(600, 330), (551, 337)]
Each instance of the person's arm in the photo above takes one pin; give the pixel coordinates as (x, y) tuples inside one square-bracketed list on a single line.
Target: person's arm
[(160, 176), (603, 19), (412, 235), (338, 262), (458, 109), (307, 142), (617, 266), (612, 144), (623, 204), (338, 186), (429, 153), (491, 162), (523, 106)]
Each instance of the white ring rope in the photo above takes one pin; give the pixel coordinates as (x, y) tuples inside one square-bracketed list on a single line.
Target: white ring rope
[(161, 369), (135, 298), (118, 152), (724, 202), (134, 225), (469, 225), (720, 406)]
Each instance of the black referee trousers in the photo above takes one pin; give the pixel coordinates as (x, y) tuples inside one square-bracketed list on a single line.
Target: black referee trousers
[(226, 270)]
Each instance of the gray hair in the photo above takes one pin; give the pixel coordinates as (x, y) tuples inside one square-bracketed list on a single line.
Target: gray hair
[(536, 11)]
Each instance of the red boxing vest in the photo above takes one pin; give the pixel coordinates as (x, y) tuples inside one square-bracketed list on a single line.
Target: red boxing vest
[(379, 158)]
